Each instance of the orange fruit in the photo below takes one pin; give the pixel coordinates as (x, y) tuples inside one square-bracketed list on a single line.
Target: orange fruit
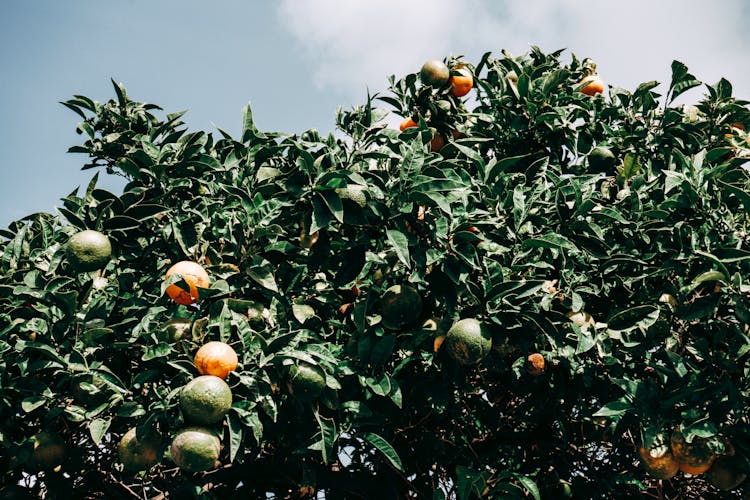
[(216, 358), (437, 343), (693, 458), (194, 275), (659, 462), (408, 123), (462, 83), (595, 85), (434, 73), (535, 364), (437, 142)]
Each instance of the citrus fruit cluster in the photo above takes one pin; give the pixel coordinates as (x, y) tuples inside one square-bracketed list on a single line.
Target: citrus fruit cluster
[(456, 80), (663, 459), (494, 299)]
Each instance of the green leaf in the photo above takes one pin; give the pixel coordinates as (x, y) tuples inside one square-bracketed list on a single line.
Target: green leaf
[(235, 435), (31, 403), (682, 81), (550, 240), (333, 204), (613, 409), (98, 428), (327, 440), (495, 169), (529, 485), (249, 131), (160, 350), (302, 312), (400, 244), (470, 483), (383, 447), (261, 272)]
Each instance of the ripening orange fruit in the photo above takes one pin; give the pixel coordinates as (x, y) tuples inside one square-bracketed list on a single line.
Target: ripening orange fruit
[(659, 462), (434, 73), (408, 123), (216, 358), (194, 275), (595, 85), (693, 458), (437, 142), (437, 343), (535, 364), (461, 83)]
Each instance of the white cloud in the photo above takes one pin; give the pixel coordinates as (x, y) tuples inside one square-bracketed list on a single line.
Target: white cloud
[(356, 44)]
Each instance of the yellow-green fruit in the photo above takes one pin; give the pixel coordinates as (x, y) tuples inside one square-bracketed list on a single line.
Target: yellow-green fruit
[(435, 73), (206, 400), (355, 193), (177, 328), (49, 450), (90, 389), (136, 454), (306, 382), (195, 449), (400, 305), (88, 250), (601, 159), (468, 341)]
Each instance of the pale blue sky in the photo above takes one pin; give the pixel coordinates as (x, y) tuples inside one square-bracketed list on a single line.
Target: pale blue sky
[(297, 60)]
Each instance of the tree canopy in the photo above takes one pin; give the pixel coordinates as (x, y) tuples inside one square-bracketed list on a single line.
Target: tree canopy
[(529, 291)]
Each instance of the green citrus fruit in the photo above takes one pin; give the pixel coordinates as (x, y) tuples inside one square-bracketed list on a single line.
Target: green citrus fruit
[(177, 328), (195, 449), (91, 389), (400, 305), (468, 341), (49, 450), (206, 399), (88, 250), (601, 159), (355, 193), (257, 314), (435, 73), (137, 454), (306, 382)]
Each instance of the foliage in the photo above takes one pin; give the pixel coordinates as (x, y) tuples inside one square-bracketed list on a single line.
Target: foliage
[(505, 224)]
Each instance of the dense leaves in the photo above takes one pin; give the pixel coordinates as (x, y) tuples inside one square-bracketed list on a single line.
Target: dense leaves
[(514, 222)]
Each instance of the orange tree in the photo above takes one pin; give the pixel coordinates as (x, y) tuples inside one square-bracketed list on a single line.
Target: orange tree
[(385, 297)]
